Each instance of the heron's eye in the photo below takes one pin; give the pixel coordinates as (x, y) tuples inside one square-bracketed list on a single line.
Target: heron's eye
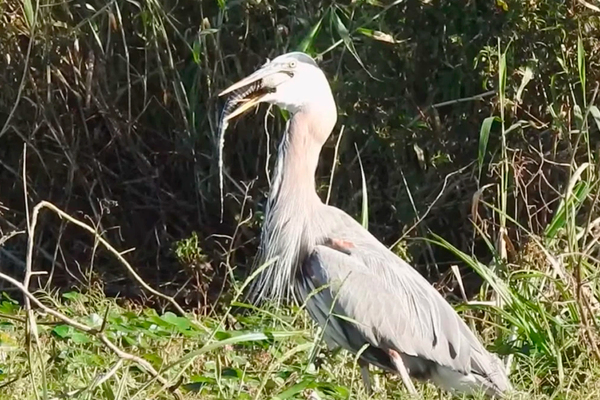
[(292, 64)]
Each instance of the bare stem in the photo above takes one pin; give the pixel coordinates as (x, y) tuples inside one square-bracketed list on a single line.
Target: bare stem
[(108, 246)]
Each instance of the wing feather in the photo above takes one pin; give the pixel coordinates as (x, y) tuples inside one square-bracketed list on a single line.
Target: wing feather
[(391, 304), (404, 319)]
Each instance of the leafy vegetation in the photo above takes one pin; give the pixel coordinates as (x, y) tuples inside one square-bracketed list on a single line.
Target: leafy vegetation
[(468, 140)]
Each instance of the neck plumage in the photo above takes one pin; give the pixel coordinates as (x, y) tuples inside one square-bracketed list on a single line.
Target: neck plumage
[(289, 228)]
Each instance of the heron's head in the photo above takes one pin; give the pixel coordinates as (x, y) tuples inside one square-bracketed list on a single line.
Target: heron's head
[(292, 81)]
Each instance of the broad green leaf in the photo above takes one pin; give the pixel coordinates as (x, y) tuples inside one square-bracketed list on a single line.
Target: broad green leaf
[(159, 321), (333, 389), (202, 378), (295, 389), (154, 358), (62, 331), (307, 43), (377, 35), (347, 39), (199, 382), (29, 13), (71, 295), (232, 373), (196, 49), (79, 337), (180, 322), (484, 136), (8, 307)]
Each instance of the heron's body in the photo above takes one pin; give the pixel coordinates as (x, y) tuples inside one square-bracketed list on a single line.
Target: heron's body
[(326, 258)]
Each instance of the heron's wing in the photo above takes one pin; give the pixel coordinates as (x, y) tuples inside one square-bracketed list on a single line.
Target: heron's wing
[(384, 311), (391, 304)]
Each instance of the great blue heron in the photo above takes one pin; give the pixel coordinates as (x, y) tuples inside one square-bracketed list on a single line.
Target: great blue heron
[(354, 287)]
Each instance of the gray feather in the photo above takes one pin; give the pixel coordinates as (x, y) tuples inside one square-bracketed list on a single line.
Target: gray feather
[(393, 307)]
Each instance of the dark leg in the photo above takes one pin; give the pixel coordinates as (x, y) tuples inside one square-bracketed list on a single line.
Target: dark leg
[(364, 373)]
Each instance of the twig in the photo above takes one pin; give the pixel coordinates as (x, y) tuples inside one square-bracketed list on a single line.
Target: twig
[(18, 378), (100, 379), (8, 236), (31, 332), (590, 6), (138, 360), (464, 99), (24, 320), (46, 309), (433, 203), (23, 81), (335, 159), (82, 327), (108, 246), (450, 102)]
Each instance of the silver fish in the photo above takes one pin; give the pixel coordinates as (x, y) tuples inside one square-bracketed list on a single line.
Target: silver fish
[(231, 104)]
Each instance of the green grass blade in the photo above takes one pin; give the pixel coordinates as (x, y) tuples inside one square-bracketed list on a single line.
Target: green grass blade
[(28, 11), (484, 136), (575, 195), (483, 270), (581, 65), (306, 45), (344, 33), (365, 196), (237, 339), (295, 389)]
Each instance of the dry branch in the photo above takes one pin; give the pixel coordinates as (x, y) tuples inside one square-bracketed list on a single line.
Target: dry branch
[(93, 331), (108, 246)]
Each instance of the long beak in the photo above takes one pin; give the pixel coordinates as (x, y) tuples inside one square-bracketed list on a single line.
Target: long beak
[(247, 103), (247, 81), (250, 91)]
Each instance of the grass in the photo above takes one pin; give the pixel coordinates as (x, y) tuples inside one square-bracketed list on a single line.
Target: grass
[(199, 355), (476, 129)]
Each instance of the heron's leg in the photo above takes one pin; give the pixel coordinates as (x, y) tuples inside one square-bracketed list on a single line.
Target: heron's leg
[(364, 373), (401, 368)]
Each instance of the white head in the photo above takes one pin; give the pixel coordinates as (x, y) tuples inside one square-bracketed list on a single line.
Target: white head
[(292, 81)]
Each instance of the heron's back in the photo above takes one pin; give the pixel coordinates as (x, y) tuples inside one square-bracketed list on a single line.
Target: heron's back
[(393, 307)]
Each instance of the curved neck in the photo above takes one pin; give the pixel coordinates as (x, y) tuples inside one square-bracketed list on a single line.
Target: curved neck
[(290, 227)]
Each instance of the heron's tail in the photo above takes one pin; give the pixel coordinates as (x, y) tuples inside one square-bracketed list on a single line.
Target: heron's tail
[(489, 371)]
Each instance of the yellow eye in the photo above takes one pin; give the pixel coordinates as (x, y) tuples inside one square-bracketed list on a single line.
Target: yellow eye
[(292, 64)]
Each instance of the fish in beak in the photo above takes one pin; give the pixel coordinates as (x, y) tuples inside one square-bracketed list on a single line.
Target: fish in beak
[(253, 89), (246, 94)]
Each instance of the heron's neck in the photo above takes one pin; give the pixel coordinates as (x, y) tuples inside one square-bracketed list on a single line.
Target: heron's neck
[(298, 157), (292, 223)]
